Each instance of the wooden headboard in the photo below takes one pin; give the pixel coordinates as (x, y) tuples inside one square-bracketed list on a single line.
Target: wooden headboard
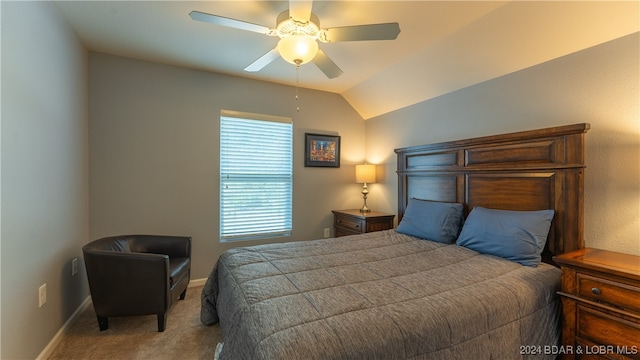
[(528, 170)]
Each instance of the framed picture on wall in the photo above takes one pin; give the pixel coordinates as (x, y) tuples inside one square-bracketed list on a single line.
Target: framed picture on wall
[(321, 150)]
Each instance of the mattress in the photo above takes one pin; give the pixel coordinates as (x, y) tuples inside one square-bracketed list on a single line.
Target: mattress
[(381, 295)]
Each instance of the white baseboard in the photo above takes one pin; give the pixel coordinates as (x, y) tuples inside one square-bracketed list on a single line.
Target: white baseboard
[(48, 350)]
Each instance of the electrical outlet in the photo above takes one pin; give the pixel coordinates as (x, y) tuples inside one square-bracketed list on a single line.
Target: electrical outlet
[(74, 266), (42, 295), (327, 232)]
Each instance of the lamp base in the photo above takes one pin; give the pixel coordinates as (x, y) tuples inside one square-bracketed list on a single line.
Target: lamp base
[(365, 191)]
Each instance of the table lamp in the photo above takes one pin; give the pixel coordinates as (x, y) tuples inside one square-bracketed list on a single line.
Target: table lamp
[(365, 174)]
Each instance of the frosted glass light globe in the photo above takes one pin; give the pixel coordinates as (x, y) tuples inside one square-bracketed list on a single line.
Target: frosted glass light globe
[(297, 49)]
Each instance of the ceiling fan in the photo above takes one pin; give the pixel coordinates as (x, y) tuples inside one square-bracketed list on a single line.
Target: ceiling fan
[(299, 30)]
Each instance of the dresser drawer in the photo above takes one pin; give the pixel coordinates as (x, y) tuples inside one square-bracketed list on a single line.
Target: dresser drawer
[(617, 294), (604, 329), (349, 223)]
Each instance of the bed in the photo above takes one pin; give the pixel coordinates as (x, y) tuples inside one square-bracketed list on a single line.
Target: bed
[(394, 295)]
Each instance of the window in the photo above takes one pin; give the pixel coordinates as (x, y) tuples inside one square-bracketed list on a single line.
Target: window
[(256, 176)]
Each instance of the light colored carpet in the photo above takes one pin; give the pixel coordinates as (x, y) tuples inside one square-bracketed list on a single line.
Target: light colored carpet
[(137, 337)]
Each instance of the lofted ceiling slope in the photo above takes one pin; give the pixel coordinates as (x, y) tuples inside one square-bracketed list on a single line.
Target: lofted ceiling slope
[(443, 46)]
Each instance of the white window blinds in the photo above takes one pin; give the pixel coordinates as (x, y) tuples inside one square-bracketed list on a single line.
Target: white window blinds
[(256, 176)]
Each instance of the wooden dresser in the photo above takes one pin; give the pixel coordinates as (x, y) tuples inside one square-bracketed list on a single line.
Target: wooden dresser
[(351, 222), (600, 304)]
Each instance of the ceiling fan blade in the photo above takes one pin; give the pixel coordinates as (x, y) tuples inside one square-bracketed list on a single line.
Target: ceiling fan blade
[(386, 31), (300, 9), (326, 65), (263, 61), (228, 22)]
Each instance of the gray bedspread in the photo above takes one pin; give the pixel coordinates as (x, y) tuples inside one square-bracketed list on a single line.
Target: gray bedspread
[(380, 295)]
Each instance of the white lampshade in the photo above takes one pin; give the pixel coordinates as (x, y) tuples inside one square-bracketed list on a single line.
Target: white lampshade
[(298, 49), (365, 173)]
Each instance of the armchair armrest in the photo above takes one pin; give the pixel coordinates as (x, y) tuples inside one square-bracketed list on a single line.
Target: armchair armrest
[(174, 246), (118, 278)]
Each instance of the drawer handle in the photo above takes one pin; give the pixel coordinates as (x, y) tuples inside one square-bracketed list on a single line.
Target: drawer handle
[(357, 226), (596, 291)]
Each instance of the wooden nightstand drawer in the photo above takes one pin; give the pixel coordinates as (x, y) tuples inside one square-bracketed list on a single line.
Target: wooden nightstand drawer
[(600, 304), (352, 222), (601, 328), (349, 223), (613, 293)]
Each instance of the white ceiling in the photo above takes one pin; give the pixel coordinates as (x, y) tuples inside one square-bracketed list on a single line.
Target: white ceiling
[(443, 46)]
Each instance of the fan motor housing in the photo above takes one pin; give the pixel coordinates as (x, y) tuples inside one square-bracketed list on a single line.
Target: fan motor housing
[(286, 26)]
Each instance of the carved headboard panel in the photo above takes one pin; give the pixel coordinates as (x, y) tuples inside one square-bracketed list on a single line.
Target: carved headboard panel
[(528, 170)]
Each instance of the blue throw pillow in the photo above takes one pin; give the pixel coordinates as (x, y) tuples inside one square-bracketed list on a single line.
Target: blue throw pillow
[(432, 220), (519, 236)]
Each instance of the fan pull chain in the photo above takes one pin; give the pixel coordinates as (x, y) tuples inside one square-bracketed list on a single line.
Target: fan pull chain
[(297, 86)]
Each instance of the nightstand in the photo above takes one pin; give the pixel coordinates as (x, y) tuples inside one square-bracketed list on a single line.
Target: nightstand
[(351, 222), (600, 304)]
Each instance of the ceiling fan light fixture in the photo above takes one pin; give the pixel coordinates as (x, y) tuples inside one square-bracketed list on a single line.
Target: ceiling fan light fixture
[(298, 49), (299, 36)]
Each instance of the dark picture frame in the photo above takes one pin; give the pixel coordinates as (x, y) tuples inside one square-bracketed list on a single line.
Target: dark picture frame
[(321, 150)]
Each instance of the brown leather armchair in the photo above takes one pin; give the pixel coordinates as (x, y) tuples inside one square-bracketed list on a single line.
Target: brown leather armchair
[(137, 275)]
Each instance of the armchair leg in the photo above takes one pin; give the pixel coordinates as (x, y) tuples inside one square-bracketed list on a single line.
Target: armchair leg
[(162, 322), (183, 294), (103, 323)]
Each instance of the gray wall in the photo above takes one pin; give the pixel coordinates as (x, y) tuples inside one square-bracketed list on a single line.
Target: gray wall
[(44, 175), (154, 163), (598, 85)]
